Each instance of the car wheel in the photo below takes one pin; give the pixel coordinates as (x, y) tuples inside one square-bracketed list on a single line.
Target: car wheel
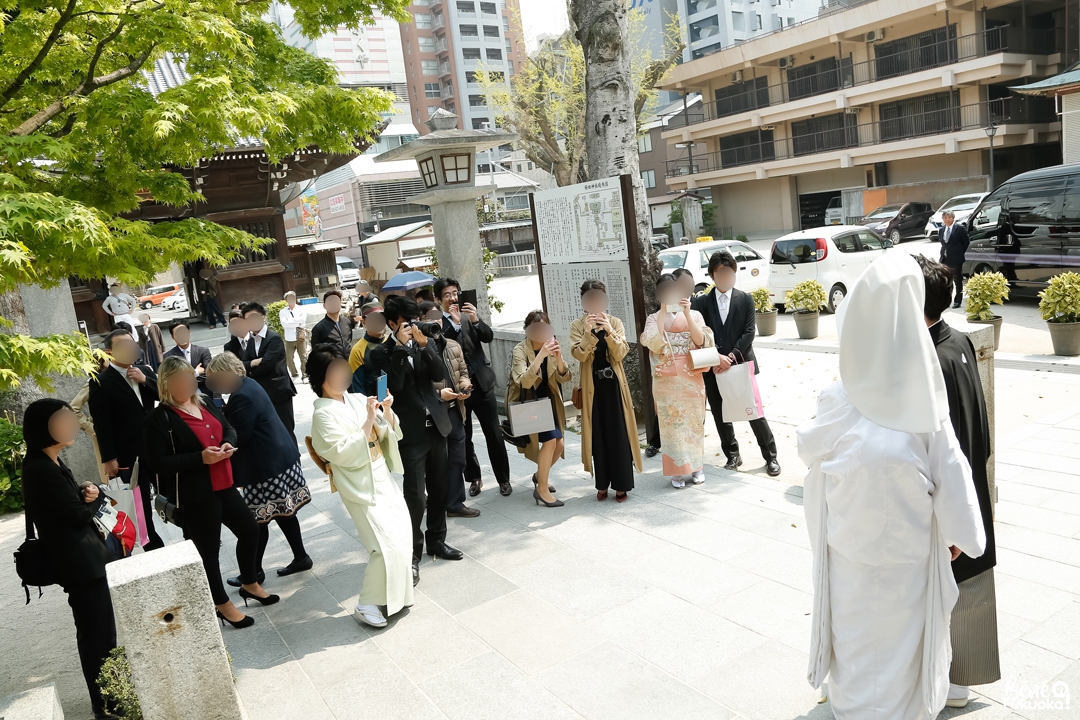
[(894, 236), (836, 296), (147, 305)]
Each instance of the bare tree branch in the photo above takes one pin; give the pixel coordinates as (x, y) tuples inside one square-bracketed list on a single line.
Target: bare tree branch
[(17, 84), (654, 73)]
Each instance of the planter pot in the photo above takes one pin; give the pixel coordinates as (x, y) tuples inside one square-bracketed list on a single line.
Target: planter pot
[(996, 322), (766, 323), (1066, 338), (807, 323)]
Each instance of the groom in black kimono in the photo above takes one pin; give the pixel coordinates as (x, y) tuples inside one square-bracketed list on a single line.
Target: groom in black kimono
[(974, 618)]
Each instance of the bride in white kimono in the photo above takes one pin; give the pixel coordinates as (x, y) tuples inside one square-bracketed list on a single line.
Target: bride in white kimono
[(889, 501), (359, 441)]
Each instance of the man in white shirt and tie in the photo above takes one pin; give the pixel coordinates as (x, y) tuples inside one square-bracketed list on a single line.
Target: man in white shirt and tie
[(198, 356), (294, 326), (954, 245)]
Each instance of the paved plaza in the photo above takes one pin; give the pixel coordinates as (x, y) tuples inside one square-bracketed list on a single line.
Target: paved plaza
[(682, 604)]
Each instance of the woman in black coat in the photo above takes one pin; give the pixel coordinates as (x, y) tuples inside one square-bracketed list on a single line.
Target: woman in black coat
[(63, 512), (267, 462), (190, 444)]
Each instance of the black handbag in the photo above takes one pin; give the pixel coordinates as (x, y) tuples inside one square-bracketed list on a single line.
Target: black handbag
[(31, 564), (168, 510)]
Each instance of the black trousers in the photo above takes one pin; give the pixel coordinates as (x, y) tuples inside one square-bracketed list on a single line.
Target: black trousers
[(728, 442), (202, 526), (455, 462), (213, 311), (958, 282), (284, 411), (482, 405), (424, 461), (95, 631), (652, 435), (147, 501), (290, 528)]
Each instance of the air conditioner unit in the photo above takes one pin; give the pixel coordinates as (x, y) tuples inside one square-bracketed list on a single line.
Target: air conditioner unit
[(786, 62), (875, 35), (736, 77)]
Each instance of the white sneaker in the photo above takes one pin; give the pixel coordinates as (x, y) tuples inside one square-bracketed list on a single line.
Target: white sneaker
[(678, 482), (958, 696), (698, 477), (370, 615)]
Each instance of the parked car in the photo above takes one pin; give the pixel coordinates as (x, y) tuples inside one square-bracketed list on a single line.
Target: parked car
[(834, 213), (348, 272), (899, 221), (176, 301), (1027, 229), (961, 206), (156, 294), (659, 242), (695, 258), (835, 256)]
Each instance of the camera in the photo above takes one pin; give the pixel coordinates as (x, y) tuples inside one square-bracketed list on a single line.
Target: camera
[(431, 329)]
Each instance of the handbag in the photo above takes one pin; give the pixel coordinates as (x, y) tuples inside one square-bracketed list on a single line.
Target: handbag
[(320, 462), (576, 398), (168, 510), (705, 357), (31, 565), (508, 436), (531, 417), (739, 390)]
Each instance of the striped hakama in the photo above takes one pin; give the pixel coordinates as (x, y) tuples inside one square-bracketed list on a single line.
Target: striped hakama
[(974, 633)]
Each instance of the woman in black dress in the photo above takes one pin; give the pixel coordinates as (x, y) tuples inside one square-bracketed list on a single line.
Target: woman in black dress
[(63, 512), (598, 341)]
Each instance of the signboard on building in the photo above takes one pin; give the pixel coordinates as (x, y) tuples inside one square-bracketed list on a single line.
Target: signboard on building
[(336, 203), (309, 213)]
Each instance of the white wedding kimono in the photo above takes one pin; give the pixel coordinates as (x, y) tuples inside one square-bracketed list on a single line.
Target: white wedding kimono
[(371, 496), (882, 508)]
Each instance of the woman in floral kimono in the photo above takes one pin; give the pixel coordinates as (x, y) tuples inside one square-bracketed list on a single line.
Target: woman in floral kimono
[(359, 441), (678, 389)]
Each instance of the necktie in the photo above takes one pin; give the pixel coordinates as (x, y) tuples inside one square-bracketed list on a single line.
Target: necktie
[(723, 308)]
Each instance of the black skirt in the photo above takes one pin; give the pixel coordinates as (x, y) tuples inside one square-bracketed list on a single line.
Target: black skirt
[(613, 461)]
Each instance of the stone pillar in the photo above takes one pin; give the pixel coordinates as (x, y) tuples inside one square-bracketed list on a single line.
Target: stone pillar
[(691, 217), (982, 337), (457, 240), (165, 621), (41, 703)]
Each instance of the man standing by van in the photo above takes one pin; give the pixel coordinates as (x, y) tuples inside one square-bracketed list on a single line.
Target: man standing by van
[(954, 245)]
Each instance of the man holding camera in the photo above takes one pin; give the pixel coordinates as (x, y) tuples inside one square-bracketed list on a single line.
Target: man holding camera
[(412, 368), (461, 324)]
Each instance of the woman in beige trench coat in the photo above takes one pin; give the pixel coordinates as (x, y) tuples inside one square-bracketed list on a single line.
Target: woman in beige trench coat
[(598, 342)]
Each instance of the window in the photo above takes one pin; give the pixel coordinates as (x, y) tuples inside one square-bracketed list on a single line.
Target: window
[(427, 172), (478, 123), (448, 89), (431, 110), (506, 25), (745, 148), (758, 22), (743, 253), (704, 258), (455, 168), (803, 250), (648, 179), (1037, 202), (423, 21), (531, 166), (869, 241), (466, 8), (431, 90), (737, 22), (488, 8), (644, 143), (429, 67), (491, 31), (421, 2), (929, 49), (469, 31), (919, 116), (846, 243), (494, 54), (826, 132), (470, 53), (672, 260), (425, 43), (477, 101)]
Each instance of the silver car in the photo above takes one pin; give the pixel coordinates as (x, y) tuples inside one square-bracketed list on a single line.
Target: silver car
[(961, 206)]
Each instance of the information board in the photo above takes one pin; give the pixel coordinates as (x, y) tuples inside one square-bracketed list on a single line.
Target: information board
[(562, 284), (581, 223)]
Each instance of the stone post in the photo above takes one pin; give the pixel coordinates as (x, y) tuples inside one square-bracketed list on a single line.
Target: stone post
[(41, 703), (457, 241), (982, 337), (165, 620), (691, 217)]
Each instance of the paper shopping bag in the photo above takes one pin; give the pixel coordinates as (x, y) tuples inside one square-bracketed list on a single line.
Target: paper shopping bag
[(738, 387), (137, 514)]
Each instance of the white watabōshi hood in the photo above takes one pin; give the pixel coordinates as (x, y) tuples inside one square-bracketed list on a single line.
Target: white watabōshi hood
[(888, 365)]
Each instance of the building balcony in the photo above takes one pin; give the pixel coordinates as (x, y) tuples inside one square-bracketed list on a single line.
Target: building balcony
[(444, 69), (857, 144), (441, 45), (995, 53)]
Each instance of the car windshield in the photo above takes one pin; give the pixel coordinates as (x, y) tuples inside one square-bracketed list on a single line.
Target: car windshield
[(346, 264), (797, 251), (965, 202), (673, 260), (885, 212), (835, 203)]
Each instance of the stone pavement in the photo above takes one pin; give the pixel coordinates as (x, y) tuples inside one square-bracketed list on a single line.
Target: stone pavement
[(676, 604)]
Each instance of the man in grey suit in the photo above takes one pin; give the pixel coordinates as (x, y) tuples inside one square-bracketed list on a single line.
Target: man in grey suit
[(954, 245), (197, 355)]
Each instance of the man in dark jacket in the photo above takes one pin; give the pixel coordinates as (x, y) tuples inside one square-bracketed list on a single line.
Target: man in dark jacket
[(336, 327), (461, 324), (121, 395), (730, 314), (954, 245), (974, 618), (265, 363), (198, 356)]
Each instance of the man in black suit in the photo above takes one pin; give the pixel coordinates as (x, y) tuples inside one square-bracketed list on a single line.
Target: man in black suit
[(238, 335), (121, 395), (413, 367), (730, 314), (954, 245), (198, 356), (265, 362), (461, 324)]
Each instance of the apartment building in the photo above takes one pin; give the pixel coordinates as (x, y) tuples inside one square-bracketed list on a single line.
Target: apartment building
[(712, 25), (653, 153), (871, 94)]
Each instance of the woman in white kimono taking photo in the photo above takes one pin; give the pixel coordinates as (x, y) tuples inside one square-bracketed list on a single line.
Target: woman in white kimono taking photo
[(889, 501), (359, 441)]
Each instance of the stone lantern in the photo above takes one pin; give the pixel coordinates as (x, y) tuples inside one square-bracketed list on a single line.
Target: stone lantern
[(446, 158)]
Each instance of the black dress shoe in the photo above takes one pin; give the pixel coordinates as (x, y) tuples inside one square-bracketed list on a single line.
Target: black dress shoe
[(733, 462), (445, 552), (651, 451), (955, 305), (415, 574), (773, 468), (296, 566), (464, 512), (235, 581)]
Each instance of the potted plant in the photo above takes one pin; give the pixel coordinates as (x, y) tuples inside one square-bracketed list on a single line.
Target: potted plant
[(806, 300), (983, 290), (1059, 305), (766, 312)]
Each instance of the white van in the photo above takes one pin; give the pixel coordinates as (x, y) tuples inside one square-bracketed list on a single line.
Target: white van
[(348, 272), (834, 213)]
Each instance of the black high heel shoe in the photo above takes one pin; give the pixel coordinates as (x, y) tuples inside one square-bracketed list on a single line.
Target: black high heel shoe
[(536, 484), (539, 500), (248, 621), (268, 600)]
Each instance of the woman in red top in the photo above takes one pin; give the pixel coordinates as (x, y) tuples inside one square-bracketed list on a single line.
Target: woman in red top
[(190, 444)]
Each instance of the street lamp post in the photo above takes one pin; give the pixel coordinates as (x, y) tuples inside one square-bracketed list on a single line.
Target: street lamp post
[(991, 131)]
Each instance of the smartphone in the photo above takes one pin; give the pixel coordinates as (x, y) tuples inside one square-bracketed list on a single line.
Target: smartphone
[(381, 394), (467, 296), (676, 308)]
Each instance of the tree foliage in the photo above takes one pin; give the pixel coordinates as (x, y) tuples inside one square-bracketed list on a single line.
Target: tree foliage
[(545, 101), (83, 141)]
